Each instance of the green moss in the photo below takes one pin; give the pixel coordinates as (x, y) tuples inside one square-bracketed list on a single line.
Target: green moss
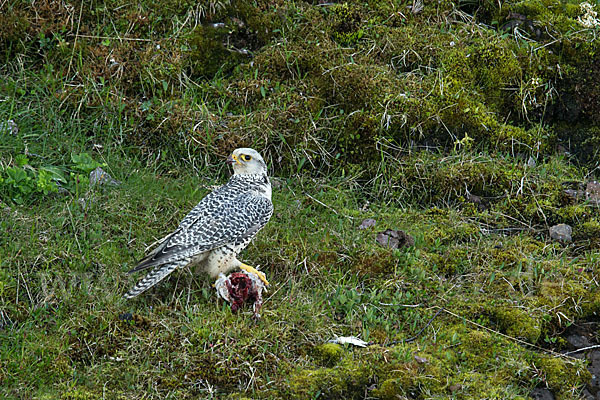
[(569, 301), (207, 53), (591, 307), (453, 261), (390, 389), (346, 23), (80, 393), (364, 96), (347, 380), (476, 346), (495, 65), (328, 354), (448, 179), (358, 136), (376, 261), (263, 18), (507, 257), (513, 255), (563, 377), (518, 323), (589, 230)]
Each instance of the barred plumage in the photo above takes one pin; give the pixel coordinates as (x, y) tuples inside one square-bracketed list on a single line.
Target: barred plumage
[(218, 228)]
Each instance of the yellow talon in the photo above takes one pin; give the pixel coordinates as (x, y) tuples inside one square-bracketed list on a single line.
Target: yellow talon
[(258, 273)]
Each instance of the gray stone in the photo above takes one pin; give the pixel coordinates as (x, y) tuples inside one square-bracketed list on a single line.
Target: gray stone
[(541, 394), (592, 192), (394, 239), (561, 232), (578, 341), (367, 223)]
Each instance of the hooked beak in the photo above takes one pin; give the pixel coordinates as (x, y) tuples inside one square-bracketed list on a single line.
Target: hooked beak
[(233, 160)]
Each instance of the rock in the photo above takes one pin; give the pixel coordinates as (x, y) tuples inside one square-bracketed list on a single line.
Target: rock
[(587, 395), (101, 177), (455, 388), (578, 341), (542, 394), (421, 360), (593, 358), (561, 232), (574, 194), (394, 239), (367, 223), (481, 203), (592, 192)]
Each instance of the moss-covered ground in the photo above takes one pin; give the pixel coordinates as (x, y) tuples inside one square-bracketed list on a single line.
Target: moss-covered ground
[(471, 125)]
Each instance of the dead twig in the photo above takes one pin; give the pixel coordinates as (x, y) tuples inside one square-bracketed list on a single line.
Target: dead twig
[(400, 305), (514, 339), (413, 338), (275, 292), (75, 41), (113, 38), (596, 346), (326, 206)]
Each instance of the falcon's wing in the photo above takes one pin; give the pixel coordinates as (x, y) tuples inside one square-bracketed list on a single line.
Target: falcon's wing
[(233, 221)]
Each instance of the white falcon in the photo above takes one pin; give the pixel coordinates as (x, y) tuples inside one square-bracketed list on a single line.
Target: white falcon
[(218, 228)]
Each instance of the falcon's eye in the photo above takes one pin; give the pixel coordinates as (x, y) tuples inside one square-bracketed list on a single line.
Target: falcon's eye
[(246, 157)]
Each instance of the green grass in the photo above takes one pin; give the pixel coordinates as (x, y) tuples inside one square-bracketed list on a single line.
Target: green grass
[(63, 272), (362, 111)]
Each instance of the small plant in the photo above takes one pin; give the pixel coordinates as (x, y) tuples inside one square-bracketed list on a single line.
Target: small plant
[(85, 163), (24, 184)]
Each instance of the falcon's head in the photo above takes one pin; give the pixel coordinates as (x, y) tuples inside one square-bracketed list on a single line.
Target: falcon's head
[(247, 161)]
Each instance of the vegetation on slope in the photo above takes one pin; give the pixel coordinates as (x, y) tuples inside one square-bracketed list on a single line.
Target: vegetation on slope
[(472, 126)]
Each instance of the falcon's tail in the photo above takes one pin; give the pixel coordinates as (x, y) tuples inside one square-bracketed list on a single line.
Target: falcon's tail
[(157, 275)]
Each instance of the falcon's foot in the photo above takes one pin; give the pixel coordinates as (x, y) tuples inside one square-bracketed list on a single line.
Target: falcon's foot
[(252, 270)]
